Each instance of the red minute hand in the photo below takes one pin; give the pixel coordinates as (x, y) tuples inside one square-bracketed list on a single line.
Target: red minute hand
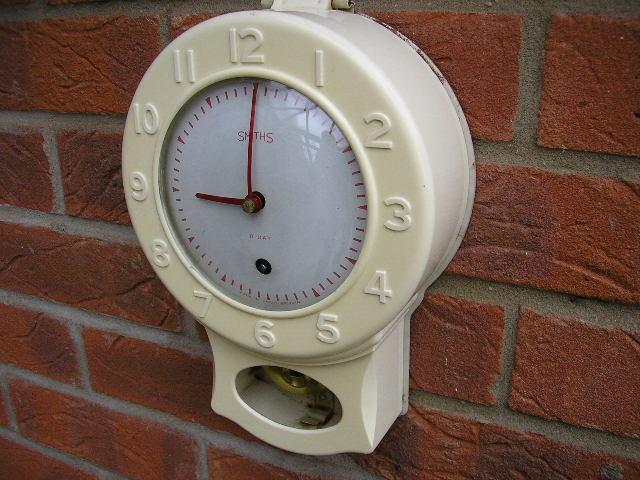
[(251, 129)]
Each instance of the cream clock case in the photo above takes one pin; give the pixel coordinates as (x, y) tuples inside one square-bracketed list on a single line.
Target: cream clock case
[(297, 177)]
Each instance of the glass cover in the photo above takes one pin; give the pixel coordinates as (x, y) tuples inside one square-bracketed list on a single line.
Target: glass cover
[(278, 222)]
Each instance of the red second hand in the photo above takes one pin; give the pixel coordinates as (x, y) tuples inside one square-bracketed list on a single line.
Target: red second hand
[(251, 127)]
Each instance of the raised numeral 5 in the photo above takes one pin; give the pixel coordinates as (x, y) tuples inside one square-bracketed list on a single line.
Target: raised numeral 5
[(327, 331)]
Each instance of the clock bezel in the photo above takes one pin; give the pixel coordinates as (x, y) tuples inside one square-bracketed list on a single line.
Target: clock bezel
[(361, 316)]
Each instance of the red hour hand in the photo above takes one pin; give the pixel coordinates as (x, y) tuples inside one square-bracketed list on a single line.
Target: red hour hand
[(216, 198)]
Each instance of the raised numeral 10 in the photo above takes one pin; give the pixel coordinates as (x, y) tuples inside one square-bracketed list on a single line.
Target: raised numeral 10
[(145, 119)]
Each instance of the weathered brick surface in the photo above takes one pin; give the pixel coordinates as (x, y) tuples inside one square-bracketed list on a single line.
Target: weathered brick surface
[(4, 418), (426, 444), (91, 165), (131, 446), (479, 56), (25, 178), (456, 347), (108, 278), (505, 454), (181, 24), (36, 342), (155, 376), (18, 462), (223, 465), (75, 65), (569, 371), (574, 234), (591, 88)]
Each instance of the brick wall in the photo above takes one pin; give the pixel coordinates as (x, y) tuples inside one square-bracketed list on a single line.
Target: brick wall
[(525, 359)]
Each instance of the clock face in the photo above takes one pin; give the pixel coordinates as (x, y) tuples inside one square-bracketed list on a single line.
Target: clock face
[(264, 194)]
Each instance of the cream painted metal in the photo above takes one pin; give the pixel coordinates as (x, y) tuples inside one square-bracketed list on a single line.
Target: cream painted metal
[(413, 146)]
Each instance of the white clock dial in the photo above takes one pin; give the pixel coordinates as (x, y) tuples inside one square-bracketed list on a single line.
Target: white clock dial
[(299, 175)]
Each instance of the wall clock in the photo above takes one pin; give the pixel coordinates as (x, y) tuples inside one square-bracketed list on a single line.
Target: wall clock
[(297, 177)]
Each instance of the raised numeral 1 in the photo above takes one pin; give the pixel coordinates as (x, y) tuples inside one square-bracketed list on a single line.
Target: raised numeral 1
[(177, 66), (319, 68)]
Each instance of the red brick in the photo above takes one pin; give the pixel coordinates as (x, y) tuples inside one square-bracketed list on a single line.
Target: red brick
[(25, 178), (4, 419), (155, 376), (456, 347), (426, 444), (91, 174), (75, 65), (181, 24), (569, 371), (479, 56), (109, 278), (223, 464), (34, 341), (505, 455), (129, 445), (573, 234), (591, 88), (20, 462)]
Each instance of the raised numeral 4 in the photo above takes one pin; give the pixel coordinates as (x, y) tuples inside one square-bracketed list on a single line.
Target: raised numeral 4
[(378, 286)]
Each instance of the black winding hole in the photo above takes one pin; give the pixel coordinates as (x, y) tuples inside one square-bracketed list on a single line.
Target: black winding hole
[(263, 266)]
